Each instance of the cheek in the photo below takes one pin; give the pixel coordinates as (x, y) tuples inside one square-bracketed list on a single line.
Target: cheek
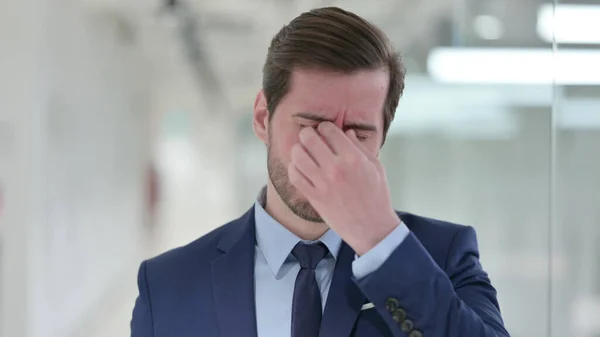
[(282, 140), (376, 143), (373, 145)]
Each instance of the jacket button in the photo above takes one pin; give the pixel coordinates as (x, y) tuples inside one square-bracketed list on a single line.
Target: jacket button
[(399, 315), (391, 304), (407, 326), (415, 333)]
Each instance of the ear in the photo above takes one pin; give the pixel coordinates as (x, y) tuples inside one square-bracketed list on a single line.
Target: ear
[(260, 120)]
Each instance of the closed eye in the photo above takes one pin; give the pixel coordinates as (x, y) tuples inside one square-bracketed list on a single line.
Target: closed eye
[(309, 125), (362, 135)]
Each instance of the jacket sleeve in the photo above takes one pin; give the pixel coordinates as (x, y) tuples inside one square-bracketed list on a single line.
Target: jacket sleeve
[(141, 321), (417, 298)]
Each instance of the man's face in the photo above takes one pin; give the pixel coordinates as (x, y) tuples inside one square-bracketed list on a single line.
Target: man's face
[(353, 101)]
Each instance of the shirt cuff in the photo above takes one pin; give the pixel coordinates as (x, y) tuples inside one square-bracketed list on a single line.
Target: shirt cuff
[(374, 258)]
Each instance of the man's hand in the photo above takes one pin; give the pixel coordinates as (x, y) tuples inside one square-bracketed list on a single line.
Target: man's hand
[(345, 183)]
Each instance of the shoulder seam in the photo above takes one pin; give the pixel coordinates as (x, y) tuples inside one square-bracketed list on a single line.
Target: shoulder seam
[(148, 295), (452, 242)]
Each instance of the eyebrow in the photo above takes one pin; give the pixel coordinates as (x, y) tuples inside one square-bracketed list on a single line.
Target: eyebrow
[(318, 118)]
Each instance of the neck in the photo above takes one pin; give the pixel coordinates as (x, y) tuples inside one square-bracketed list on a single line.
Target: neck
[(278, 210)]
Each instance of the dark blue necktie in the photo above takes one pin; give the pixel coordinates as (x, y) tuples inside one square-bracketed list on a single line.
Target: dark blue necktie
[(306, 307)]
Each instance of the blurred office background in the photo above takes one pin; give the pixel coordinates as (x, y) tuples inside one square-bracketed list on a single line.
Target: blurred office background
[(125, 131)]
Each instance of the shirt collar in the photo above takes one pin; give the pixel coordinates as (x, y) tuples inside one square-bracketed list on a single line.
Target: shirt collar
[(276, 242)]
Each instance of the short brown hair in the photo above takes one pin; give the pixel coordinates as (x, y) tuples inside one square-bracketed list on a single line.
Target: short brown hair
[(331, 38)]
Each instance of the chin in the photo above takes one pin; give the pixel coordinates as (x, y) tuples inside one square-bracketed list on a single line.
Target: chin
[(304, 210), (291, 197)]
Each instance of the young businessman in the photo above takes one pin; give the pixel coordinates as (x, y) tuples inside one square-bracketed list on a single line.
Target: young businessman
[(322, 252)]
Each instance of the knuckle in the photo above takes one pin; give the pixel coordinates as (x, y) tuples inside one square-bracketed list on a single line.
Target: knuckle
[(352, 161), (310, 140), (336, 170)]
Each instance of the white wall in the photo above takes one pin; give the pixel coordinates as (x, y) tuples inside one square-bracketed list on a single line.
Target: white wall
[(72, 92), (20, 149)]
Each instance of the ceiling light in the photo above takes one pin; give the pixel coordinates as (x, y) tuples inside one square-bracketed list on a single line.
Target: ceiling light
[(569, 23), (514, 66)]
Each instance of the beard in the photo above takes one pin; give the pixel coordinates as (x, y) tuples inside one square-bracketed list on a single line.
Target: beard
[(278, 174)]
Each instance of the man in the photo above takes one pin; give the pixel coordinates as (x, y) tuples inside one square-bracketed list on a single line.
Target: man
[(322, 252)]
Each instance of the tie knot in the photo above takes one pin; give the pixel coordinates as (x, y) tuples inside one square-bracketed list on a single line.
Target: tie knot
[(309, 255)]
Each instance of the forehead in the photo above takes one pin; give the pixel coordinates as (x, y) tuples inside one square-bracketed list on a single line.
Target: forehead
[(360, 95)]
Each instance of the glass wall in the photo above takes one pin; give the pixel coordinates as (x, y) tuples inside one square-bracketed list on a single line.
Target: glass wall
[(575, 225)]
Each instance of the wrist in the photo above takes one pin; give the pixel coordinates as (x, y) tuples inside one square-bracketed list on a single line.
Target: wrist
[(378, 234)]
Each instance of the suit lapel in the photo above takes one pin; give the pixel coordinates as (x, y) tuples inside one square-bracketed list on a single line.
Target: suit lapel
[(344, 300), (233, 279)]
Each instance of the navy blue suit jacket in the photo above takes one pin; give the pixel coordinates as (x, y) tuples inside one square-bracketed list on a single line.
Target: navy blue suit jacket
[(432, 285)]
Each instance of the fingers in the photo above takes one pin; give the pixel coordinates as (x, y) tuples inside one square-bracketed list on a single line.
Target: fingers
[(306, 165), (328, 153), (335, 138), (300, 181), (327, 142), (316, 146)]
